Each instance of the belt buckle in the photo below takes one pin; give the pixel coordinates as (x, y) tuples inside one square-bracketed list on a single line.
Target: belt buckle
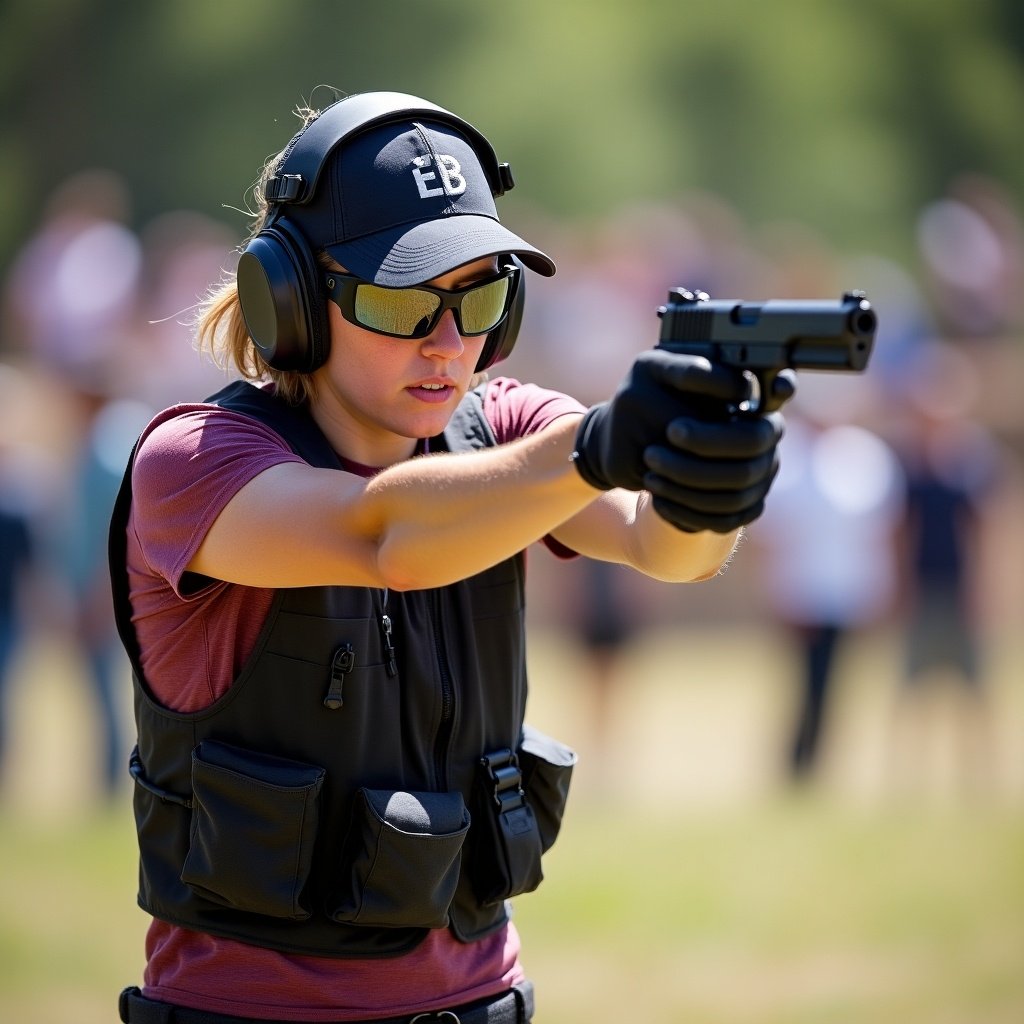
[(438, 1016)]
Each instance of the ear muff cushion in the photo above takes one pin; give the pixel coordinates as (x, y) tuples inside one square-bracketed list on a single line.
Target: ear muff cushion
[(502, 339), (281, 299)]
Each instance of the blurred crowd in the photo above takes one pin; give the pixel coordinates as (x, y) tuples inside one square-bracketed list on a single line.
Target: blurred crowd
[(899, 503), (93, 341)]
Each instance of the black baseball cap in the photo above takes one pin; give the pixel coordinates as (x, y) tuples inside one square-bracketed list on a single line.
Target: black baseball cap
[(405, 202)]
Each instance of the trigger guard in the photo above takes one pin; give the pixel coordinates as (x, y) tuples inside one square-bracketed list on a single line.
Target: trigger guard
[(767, 400)]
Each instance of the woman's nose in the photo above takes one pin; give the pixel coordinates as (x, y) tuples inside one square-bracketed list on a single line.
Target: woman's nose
[(444, 340)]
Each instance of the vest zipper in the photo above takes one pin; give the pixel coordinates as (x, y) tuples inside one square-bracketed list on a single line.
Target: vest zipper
[(389, 647), (444, 728)]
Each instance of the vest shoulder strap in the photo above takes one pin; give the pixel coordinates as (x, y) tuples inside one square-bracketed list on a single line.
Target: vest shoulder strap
[(292, 422), (468, 428)]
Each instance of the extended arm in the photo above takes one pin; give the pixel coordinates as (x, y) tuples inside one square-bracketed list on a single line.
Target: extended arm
[(440, 518)]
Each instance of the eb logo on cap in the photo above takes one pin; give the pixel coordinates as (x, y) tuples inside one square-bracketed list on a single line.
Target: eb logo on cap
[(450, 171)]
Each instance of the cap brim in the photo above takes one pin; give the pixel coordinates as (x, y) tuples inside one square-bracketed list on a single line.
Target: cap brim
[(406, 256)]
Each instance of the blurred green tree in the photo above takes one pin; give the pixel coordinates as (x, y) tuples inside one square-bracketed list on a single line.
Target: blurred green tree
[(845, 116)]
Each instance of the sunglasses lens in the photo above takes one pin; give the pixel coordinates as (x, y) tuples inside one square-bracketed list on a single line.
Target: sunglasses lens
[(398, 311), (482, 307)]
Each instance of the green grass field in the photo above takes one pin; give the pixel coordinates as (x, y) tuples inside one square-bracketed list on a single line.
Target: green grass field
[(688, 884), (792, 912)]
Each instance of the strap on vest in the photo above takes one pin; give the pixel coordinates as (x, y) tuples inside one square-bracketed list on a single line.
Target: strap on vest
[(293, 422), (468, 428)]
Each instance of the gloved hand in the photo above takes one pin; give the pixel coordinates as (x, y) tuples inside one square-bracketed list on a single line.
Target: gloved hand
[(715, 474), (669, 429), (660, 387)]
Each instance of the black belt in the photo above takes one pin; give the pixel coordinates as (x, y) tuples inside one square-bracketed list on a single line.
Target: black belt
[(512, 1007)]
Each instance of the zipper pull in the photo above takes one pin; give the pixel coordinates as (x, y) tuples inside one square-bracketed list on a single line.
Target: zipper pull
[(389, 647), (341, 665), (385, 625)]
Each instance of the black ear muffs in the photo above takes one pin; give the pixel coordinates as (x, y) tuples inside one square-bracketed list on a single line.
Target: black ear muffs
[(502, 339), (282, 300)]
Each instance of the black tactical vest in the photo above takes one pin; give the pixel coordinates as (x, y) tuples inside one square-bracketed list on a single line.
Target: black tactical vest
[(368, 775)]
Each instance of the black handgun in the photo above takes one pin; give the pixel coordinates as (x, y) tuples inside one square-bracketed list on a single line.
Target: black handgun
[(766, 337)]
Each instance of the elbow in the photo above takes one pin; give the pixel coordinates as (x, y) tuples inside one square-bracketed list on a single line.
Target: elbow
[(401, 570), (392, 577), (401, 584)]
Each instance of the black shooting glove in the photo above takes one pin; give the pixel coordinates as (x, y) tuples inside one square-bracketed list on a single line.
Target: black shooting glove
[(660, 387), (714, 473)]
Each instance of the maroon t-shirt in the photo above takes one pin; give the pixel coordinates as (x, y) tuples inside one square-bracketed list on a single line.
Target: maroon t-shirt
[(192, 460)]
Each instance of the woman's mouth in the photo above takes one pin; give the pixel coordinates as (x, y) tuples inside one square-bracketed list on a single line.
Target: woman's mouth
[(432, 392)]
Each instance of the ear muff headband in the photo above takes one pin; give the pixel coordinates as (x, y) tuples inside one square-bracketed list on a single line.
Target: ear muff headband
[(280, 290), (304, 159)]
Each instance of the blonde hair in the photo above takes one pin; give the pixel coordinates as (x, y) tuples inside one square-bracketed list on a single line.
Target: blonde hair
[(219, 325)]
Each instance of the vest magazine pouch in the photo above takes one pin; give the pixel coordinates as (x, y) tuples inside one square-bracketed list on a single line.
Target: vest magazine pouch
[(401, 861), (254, 824), (547, 768)]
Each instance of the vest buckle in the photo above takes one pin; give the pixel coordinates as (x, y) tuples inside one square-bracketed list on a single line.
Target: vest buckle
[(503, 770)]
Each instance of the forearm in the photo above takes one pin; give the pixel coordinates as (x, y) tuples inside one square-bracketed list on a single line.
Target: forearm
[(622, 526)]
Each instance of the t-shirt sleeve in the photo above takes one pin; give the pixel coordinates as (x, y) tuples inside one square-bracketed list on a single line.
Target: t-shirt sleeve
[(190, 463), (516, 410)]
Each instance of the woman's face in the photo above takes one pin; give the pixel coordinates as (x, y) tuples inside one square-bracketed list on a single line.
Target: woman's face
[(377, 394)]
